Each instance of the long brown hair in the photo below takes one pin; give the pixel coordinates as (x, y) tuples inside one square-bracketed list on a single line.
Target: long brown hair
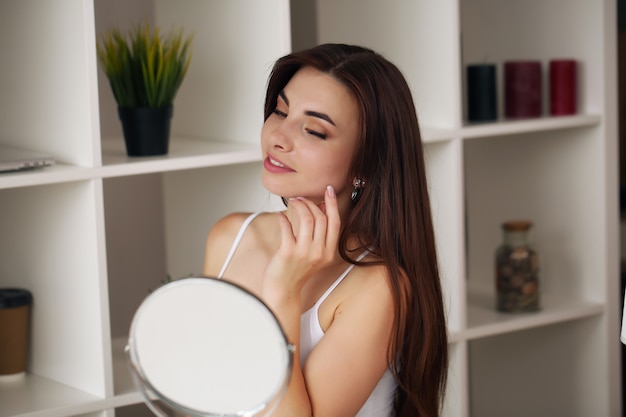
[(392, 217)]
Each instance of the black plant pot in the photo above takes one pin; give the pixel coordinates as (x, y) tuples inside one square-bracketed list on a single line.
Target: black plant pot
[(146, 129)]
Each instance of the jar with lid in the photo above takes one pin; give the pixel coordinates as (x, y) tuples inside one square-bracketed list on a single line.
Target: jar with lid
[(517, 270)]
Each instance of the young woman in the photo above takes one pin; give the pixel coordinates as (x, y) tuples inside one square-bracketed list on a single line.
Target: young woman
[(349, 267)]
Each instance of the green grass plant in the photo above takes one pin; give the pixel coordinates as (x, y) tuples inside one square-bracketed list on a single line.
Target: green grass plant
[(144, 67)]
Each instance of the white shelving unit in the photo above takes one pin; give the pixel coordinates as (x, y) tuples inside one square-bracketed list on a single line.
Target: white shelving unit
[(92, 235), (559, 172), (60, 227)]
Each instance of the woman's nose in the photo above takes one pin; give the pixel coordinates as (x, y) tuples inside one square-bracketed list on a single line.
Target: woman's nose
[(282, 136)]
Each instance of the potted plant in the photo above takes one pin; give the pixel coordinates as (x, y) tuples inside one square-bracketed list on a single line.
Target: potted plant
[(145, 71)]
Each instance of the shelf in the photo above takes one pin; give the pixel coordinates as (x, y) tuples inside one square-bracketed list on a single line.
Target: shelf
[(434, 134), (34, 396), (183, 154), (58, 173), (485, 321), (509, 127), (512, 127)]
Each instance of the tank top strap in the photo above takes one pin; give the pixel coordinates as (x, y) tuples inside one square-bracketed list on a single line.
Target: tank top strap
[(338, 281), (238, 238)]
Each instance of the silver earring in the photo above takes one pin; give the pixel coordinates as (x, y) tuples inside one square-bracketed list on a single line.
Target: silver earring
[(358, 183)]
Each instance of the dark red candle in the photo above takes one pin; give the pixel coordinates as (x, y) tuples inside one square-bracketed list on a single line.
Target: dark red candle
[(562, 87), (522, 89)]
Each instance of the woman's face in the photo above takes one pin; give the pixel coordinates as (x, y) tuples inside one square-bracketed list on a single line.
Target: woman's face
[(309, 140)]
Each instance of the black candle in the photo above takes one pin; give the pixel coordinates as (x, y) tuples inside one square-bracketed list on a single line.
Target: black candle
[(481, 93)]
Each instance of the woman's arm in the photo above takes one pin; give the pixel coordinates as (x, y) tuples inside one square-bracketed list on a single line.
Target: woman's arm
[(303, 250), (343, 369), (346, 365)]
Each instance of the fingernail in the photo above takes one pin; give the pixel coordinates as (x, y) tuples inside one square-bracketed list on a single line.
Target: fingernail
[(331, 191)]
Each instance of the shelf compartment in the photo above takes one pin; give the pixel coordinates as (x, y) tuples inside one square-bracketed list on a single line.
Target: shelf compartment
[(543, 371), (516, 177), (223, 93), (48, 63), (51, 246), (496, 31)]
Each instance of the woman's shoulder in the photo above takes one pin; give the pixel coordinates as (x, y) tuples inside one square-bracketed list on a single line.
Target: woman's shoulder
[(369, 284), (230, 223), (374, 279), (226, 229), (223, 234)]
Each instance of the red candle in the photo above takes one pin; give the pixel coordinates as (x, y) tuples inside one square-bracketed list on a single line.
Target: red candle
[(522, 89), (562, 87)]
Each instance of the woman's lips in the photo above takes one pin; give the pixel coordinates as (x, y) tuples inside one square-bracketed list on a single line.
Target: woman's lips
[(272, 164)]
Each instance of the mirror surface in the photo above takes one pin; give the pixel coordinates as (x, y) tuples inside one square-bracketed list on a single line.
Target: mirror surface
[(207, 347)]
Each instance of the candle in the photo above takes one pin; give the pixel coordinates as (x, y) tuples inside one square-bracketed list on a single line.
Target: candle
[(481, 93), (522, 83), (562, 87)]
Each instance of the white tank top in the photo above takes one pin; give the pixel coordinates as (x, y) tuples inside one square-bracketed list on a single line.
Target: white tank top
[(380, 401)]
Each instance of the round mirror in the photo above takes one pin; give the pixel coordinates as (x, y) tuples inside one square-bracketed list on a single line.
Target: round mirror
[(207, 347)]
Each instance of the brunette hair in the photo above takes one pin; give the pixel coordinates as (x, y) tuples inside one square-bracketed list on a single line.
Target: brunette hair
[(392, 217)]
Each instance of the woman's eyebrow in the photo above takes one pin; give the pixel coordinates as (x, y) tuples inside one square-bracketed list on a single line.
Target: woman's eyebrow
[(284, 97), (322, 116), (312, 113)]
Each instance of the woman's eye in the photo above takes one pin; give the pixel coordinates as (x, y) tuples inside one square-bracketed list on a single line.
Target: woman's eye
[(317, 134), (279, 113)]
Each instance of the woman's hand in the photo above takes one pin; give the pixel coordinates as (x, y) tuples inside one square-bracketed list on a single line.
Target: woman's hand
[(308, 243)]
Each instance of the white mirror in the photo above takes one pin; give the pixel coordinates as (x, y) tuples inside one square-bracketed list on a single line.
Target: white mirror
[(207, 347)]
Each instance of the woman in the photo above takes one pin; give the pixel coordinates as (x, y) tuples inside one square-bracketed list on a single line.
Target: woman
[(349, 268)]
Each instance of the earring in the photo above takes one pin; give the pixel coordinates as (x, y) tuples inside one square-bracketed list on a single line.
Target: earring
[(358, 184)]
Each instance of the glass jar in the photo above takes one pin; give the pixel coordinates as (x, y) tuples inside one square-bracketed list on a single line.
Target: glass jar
[(517, 270)]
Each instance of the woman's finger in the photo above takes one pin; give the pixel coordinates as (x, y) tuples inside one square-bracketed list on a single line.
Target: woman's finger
[(286, 230), (333, 219), (318, 233), (305, 220)]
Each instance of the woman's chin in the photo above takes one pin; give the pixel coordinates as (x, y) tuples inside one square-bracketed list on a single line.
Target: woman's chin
[(277, 189), (287, 192), (273, 188)]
